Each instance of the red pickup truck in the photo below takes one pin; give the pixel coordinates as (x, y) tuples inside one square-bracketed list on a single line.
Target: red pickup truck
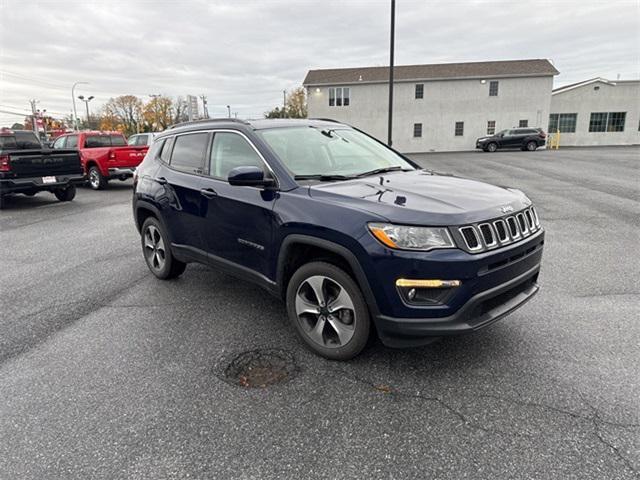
[(104, 155)]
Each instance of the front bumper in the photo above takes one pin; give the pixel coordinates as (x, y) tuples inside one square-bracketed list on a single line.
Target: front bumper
[(36, 184), (480, 311), (122, 172)]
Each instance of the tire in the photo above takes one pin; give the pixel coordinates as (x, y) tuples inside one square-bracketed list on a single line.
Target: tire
[(30, 194), (97, 181), (313, 318), (66, 194), (531, 146), (156, 250), (491, 147), (3, 202)]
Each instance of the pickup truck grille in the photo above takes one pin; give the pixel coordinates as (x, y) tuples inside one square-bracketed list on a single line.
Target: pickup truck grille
[(500, 232)]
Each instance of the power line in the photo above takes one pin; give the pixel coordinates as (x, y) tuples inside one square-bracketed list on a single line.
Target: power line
[(34, 80)]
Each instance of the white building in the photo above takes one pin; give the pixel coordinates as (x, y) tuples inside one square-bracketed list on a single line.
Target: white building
[(442, 107), (597, 112)]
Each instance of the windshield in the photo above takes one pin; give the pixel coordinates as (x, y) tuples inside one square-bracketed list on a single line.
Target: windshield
[(310, 151)]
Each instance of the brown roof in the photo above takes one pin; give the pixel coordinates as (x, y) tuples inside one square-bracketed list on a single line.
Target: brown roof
[(508, 68)]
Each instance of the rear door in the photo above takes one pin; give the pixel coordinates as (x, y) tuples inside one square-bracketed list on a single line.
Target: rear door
[(182, 181), (511, 139), (238, 222)]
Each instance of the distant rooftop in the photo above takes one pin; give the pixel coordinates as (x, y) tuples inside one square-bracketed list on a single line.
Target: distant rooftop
[(441, 71), (613, 83)]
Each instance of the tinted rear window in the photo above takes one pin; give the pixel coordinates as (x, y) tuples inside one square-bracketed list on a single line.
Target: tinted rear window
[(21, 140), (188, 152), (95, 141)]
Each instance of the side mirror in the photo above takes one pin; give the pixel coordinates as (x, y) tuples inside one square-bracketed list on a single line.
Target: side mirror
[(248, 177)]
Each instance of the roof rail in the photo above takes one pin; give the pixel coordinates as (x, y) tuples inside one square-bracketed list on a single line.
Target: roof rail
[(326, 120), (208, 120)]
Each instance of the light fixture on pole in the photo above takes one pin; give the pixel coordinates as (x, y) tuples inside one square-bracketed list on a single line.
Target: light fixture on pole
[(229, 111), (73, 100), (86, 103)]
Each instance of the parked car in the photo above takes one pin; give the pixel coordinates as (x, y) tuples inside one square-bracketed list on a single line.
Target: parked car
[(141, 139), (522, 138), (349, 233), (28, 168), (105, 155)]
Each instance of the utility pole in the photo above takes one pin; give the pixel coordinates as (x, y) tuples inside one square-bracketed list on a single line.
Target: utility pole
[(229, 111), (284, 104), (205, 110), (34, 120), (391, 49)]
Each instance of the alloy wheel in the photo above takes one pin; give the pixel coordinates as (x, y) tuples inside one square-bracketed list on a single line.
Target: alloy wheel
[(94, 180), (325, 311), (154, 250)]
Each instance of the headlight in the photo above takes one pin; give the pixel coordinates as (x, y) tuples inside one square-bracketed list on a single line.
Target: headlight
[(411, 238)]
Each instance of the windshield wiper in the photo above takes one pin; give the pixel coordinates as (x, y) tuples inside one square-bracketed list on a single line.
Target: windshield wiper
[(322, 178), (396, 168)]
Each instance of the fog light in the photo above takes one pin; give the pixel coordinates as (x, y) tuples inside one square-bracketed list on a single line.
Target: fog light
[(411, 294), (426, 292)]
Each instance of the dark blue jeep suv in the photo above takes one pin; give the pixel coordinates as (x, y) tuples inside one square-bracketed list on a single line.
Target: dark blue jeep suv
[(354, 237)]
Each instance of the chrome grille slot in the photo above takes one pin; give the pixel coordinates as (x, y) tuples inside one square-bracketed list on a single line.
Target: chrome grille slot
[(529, 218), (471, 238), (513, 228), (522, 223), (487, 235), (535, 216), (501, 230)]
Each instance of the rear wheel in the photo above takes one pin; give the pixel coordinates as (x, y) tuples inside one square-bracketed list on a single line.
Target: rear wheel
[(492, 147), (3, 201), (66, 194), (157, 251), (97, 181), (531, 146), (328, 311)]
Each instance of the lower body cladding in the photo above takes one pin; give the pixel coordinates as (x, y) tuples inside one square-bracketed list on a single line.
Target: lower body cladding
[(121, 173), (477, 291)]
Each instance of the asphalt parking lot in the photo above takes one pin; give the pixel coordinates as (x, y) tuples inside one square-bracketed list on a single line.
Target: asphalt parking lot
[(106, 372)]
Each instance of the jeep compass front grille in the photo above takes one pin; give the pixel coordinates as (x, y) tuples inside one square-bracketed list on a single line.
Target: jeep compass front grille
[(500, 232)]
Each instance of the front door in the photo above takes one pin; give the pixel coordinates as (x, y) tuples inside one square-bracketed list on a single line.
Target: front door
[(238, 221)]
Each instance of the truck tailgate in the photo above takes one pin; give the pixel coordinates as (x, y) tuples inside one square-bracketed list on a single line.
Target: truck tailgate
[(39, 163), (130, 156)]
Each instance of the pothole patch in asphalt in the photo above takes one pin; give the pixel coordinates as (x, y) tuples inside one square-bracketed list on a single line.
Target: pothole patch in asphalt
[(260, 368)]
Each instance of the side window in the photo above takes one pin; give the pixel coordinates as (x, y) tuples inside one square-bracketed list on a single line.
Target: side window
[(230, 150), (142, 140), (133, 139), (188, 152), (165, 153), (72, 141), (59, 143)]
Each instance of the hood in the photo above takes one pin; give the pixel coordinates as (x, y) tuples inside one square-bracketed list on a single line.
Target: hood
[(423, 198)]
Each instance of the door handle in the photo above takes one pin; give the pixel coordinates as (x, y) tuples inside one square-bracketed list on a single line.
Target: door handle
[(161, 180), (208, 192)]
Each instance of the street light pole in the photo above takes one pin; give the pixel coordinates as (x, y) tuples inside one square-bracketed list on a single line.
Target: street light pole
[(284, 104), (73, 99), (229, 110), (86, 102), (391, 49), (155, 97)]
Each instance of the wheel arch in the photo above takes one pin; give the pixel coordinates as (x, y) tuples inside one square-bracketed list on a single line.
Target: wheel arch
[(297, 249)]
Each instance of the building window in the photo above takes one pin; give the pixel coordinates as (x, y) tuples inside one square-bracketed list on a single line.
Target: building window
[(607, 121), (565, 122), (459, 129), (417, 130), (523, 124), (493, 88), (598, 122), (491, 127), (339, 96), (616, 121), (419, 90)]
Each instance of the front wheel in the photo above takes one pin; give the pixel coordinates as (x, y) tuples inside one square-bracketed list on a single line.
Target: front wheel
[(66, 194), (492, 147), (157, 251), (531, 146), (328, 311)]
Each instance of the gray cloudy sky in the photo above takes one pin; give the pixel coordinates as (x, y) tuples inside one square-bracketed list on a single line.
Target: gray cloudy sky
[(244, 53)]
